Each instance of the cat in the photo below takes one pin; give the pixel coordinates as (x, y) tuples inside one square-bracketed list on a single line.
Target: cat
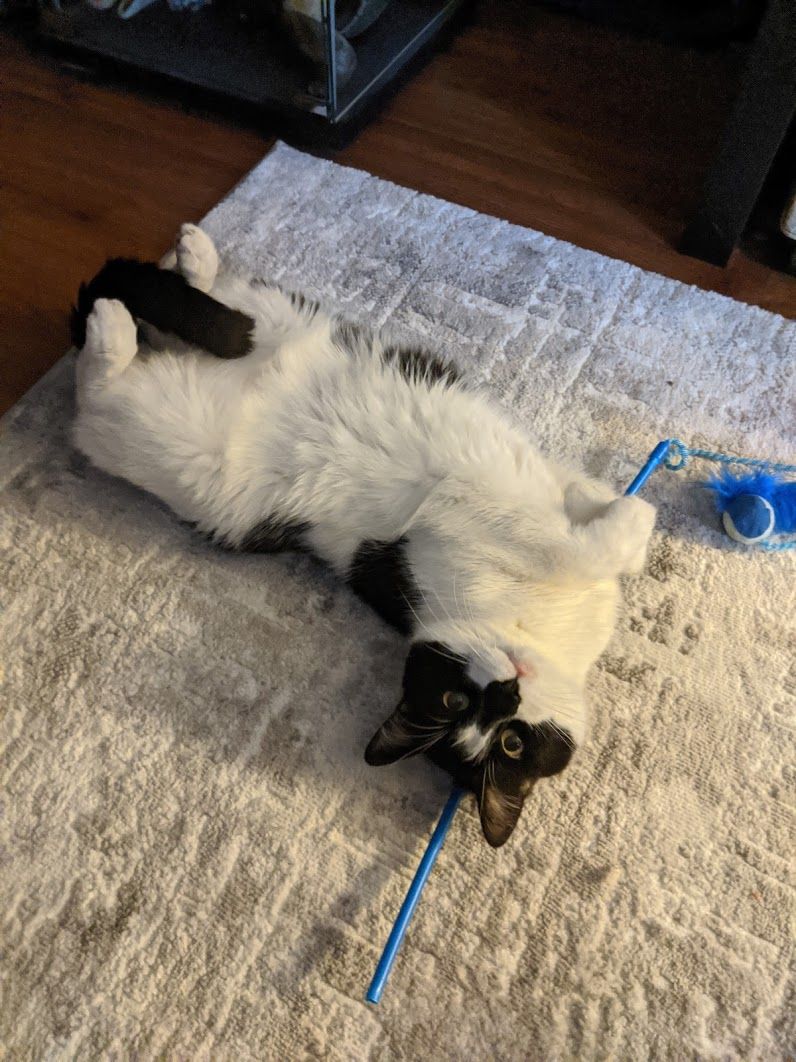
[(270, 425)]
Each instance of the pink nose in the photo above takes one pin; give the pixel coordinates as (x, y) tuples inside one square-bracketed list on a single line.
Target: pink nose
[(523, 670)]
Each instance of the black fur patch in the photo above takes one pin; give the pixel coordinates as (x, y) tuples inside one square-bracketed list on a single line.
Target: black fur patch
[(304, 306), (167, 301), (351, 337), (416, 365), (380, 575), (274, 536), (308, 308)]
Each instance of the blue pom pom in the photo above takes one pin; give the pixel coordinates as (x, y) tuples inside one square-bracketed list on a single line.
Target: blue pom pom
[(754, 506), (748, 518)]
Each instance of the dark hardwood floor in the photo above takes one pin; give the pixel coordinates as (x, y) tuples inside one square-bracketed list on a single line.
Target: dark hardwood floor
[(588, 134)]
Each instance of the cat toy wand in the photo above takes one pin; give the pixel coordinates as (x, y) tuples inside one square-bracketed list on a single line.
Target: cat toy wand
[(398, 932)]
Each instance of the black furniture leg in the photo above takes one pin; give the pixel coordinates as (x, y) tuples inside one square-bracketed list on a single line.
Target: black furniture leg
[(757, 126)]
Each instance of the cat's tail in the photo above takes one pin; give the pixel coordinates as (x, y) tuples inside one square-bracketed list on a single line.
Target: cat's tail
[(167, 301)]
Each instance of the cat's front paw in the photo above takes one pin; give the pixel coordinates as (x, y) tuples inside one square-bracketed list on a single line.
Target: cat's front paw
[(634, 519), (197, 258)]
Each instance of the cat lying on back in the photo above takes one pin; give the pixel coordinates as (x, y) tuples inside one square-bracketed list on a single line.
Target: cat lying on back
[(271, 426)]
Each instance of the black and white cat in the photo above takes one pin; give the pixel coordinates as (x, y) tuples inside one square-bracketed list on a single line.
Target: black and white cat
[(302, 431)]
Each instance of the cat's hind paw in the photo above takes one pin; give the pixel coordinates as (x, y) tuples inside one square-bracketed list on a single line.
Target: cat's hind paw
[(197, 258), (111, 344), (111, 336)]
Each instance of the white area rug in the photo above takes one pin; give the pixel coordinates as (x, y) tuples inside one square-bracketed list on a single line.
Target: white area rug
[(197, 864)]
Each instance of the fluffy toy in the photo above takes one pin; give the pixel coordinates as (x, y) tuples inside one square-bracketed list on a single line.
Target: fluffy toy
[(754, 506)]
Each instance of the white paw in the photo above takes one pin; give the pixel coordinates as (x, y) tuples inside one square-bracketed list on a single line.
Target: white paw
[(635, 519), (111, 333), (197, 258)]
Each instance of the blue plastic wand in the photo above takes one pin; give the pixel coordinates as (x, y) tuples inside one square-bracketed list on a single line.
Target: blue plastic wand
[(412, 898)]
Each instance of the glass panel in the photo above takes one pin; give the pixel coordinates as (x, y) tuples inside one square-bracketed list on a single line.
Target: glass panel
[(323, 58)]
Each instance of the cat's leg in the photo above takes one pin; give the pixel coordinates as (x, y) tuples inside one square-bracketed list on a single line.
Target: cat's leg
[(275, 312), (584, 498), (615, 542), (111, 344), (609, 533), (160, 422)]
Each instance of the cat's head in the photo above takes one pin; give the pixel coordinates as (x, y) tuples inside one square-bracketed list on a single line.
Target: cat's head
[(477, 728)]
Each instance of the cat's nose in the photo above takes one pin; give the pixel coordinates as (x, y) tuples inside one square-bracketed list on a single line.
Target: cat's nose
[(501, 700), (511, 694)]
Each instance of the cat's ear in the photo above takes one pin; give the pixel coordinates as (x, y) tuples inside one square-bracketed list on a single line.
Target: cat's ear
[(499, 813), (395, 739)]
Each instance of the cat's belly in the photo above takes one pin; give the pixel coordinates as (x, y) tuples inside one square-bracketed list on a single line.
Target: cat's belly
[(324, 444)]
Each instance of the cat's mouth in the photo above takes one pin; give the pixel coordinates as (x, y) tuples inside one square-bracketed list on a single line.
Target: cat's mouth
[(467, 774)]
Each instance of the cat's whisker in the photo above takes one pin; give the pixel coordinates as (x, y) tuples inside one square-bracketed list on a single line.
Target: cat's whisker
[(565, 737), (422, 748), (424, 627), (468, 605), (456, 624), (419, 726), (434, 635), (456, 604), (444, 608), (427, 605)]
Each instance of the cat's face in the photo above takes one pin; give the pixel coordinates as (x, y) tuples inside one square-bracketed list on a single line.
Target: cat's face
[(473, 732)]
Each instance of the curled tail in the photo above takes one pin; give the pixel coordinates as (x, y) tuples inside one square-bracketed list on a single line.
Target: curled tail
[(167, 301)]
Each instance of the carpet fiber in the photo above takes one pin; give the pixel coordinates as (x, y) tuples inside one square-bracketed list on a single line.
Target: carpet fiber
[(197, 864)]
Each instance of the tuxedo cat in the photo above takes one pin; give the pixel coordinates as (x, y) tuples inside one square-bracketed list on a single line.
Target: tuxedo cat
[(270, 425)]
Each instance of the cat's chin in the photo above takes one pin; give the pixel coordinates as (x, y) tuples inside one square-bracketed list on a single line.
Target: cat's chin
[(491, 665), (466, 776)]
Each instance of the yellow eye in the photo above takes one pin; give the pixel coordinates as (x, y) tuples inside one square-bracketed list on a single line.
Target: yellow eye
[(512, 744), (455, 702)]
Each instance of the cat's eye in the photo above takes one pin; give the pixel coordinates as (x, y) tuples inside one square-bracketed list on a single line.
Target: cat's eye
[(512, 744), (455, 701)]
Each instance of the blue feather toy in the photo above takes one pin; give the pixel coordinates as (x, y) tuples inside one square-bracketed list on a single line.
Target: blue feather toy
[(757, 508), (754, 506)]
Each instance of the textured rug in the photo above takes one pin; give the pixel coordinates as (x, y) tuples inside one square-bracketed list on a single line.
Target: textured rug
[(197, 864)]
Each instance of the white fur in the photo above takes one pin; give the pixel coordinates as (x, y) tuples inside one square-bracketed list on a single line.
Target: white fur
[(515, 557), (473, 741), (197, 258)]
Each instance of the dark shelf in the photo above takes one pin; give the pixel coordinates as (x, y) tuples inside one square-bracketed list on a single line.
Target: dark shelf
[(213, 50)]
